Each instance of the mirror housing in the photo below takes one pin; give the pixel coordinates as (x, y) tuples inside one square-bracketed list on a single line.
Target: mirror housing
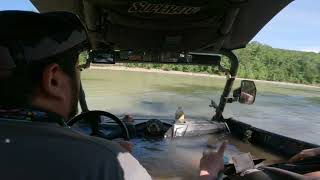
[(246, 93), (102, 56), (191, 58), (110, 56)]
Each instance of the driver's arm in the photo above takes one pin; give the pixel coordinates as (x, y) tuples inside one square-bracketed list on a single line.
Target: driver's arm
[(125, 145), (113, 162)]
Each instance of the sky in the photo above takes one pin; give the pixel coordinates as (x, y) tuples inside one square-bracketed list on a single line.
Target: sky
[(297, 27)]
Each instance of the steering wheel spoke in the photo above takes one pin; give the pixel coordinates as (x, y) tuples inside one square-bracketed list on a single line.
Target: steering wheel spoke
[(93, 117)]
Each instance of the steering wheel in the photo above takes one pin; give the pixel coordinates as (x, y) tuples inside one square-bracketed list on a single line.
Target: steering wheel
[(94, 117)]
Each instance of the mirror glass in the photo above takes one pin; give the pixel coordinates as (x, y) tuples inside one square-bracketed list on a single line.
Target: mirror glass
[(248, 92), (102, 56)]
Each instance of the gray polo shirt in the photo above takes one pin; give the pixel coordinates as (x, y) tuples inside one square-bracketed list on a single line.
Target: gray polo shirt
[(39, 151)]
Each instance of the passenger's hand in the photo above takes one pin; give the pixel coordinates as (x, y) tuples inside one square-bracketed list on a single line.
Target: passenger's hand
[(305, 154), (212, 163)]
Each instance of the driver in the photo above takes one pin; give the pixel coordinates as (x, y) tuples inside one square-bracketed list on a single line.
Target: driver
[(40, 81)]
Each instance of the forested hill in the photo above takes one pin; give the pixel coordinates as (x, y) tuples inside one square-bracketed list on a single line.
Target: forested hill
[(258, 61)]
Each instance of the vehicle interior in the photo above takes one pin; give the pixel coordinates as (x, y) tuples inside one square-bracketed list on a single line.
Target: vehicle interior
[(203, 32)]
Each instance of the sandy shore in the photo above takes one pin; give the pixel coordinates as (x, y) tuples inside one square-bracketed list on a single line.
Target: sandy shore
[(134, 69)]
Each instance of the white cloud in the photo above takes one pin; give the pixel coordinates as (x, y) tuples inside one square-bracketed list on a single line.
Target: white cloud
[(311, 49)]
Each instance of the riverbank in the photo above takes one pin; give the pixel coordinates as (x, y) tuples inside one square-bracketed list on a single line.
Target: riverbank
[(135, 69)]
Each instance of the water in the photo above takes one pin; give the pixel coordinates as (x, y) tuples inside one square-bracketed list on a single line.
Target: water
[(288, 110)]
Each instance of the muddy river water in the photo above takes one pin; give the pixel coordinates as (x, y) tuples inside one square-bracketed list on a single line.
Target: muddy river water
[(292, 111)]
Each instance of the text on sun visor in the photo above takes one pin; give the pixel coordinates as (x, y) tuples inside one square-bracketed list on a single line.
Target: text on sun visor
[(145, 7)]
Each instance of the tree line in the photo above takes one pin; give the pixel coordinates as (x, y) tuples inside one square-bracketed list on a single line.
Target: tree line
[(259, 61)]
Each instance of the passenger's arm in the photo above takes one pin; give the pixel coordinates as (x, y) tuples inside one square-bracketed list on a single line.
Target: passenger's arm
[(313, 174), (305, 154), (276, 173), (211, 164)]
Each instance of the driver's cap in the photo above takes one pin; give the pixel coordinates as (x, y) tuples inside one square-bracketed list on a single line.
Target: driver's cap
[(27, 37)]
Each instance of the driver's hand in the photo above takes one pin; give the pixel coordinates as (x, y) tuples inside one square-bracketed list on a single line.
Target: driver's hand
[(212, 163), (305, 154), (126, 145)]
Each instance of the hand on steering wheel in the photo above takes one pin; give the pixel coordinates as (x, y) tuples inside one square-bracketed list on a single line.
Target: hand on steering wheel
[(94, 117)]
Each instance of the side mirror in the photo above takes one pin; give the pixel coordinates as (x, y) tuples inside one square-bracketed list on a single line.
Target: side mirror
[(246, 93)]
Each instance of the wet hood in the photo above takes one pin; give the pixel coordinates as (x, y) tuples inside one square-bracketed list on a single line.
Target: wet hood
[(171, 25)]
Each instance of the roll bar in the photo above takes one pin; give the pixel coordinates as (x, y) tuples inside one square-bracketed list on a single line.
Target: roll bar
[(231, 76), (82, 99)]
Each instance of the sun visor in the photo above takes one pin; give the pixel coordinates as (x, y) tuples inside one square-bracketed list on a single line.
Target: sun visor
[(6, 61), (184, 25), (229, 24)]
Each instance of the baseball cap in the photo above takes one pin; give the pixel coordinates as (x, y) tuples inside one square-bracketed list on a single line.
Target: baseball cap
[(27, 37)]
